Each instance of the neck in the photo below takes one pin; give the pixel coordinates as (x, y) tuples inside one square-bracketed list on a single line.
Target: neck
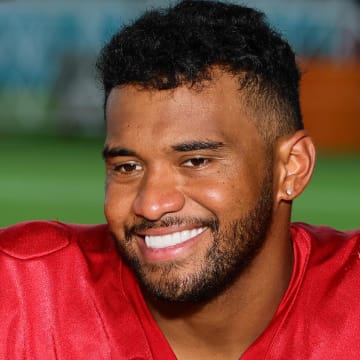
[(226, 326)]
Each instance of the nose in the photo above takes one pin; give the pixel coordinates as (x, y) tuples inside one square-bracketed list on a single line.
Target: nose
[(158, 195)]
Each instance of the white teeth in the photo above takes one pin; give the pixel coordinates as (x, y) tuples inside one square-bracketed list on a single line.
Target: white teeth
[(163, 241)]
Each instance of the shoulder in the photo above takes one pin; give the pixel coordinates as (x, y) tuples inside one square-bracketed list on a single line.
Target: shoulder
[(65, 281), (324, 295), (34, 239), (325, 232), (329, 254), (325, 237)]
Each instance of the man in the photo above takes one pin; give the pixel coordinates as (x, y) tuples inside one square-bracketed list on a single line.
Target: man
[(205, 152)]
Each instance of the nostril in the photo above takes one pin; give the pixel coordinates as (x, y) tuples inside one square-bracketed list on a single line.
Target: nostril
[(155, 201)]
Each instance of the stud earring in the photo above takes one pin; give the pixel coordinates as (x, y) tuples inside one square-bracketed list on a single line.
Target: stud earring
[(289, 192)]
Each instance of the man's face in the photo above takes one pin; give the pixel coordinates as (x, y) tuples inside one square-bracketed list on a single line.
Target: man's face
[(189, 187)]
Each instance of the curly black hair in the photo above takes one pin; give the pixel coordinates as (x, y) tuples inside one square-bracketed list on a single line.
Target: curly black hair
[(182, 44)]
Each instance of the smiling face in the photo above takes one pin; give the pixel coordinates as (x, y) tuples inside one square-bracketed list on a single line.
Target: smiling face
[(189, 187)]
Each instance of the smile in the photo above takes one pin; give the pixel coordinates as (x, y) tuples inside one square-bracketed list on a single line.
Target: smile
[(176, 238)]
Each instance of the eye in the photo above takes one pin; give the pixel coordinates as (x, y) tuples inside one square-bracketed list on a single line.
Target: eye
[(196, 162), (128, 168)]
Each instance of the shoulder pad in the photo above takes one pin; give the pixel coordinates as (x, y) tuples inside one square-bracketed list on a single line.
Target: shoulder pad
[(33, 239)]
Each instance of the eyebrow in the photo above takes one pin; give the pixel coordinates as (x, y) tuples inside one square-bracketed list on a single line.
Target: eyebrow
[(198, 145), (117, 151), (182, 147)]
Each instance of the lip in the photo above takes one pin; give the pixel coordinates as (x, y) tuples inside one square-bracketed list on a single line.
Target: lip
[(168, 253)]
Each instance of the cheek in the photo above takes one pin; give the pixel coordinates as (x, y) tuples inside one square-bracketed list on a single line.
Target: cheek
[(109, 206), (117, 204), (220, 198), (230, 196), (216, 195)]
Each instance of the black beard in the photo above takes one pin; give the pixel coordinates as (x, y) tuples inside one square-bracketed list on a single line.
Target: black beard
[(233, 249)]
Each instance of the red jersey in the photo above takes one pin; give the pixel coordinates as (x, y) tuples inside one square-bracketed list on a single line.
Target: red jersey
[(66, 294)]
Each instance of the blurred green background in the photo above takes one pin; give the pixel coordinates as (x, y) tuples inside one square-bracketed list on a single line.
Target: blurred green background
[(51, 127)]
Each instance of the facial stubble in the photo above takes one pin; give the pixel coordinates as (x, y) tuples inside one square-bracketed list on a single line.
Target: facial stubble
[(234, 246)]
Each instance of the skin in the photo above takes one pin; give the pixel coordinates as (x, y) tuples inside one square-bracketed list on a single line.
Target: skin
[(153, 175)]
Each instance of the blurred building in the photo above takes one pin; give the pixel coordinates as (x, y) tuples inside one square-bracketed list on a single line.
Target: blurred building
[(48, 50)]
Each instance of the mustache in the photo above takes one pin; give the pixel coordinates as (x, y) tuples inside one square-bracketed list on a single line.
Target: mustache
[(145, 224)]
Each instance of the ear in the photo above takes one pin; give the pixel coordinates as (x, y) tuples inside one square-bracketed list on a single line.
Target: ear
[(295, 156)]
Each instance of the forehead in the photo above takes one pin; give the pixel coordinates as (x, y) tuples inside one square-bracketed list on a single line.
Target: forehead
[(214, 112)]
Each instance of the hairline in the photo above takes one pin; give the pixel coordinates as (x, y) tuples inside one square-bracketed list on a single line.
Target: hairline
[(258, 107)]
